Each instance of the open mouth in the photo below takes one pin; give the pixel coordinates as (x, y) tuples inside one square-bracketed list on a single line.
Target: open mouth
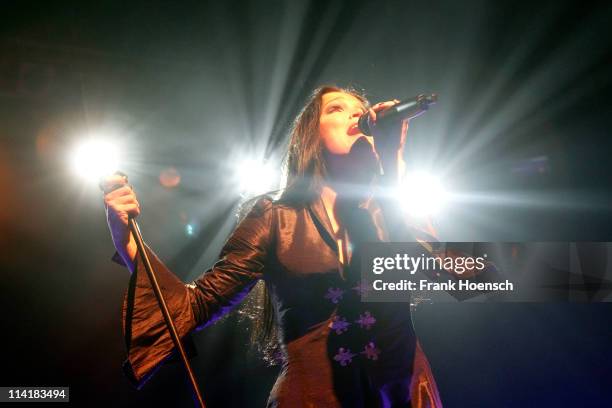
[(355, 131)]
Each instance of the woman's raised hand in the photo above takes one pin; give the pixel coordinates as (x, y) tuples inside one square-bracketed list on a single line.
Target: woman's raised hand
[(120, 203)]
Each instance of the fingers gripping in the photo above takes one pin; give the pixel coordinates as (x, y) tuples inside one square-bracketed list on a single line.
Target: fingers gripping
[(119, 196), (380, 106)]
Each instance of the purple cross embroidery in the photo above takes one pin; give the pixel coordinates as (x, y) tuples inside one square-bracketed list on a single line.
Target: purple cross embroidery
[(370, 351), (366, 320), (339, 324), (344, 356), (334, 294)]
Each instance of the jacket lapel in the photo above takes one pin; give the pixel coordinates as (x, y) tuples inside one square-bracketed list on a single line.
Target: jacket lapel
[(319, 215), (322, 222)]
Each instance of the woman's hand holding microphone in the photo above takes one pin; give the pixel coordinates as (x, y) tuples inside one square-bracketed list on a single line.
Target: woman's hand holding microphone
[(121, 203), (389, 141)]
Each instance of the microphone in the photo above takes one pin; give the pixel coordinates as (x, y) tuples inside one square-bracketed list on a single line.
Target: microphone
[(406, 109)]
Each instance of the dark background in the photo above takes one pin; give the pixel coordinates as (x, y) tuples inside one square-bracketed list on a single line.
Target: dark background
[(521, 134)]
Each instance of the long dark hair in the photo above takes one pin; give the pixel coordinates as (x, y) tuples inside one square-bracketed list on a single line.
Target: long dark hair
[(305, 170)]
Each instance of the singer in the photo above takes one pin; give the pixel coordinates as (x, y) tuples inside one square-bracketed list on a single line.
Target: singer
[(304, 245)]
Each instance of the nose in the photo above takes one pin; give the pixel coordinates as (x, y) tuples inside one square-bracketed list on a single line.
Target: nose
[(353, 122), (356, 114)]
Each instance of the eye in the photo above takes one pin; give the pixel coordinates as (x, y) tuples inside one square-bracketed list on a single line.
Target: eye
[(334, 108)]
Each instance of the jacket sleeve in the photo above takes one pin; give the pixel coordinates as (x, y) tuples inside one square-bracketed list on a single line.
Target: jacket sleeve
[(196, 304)]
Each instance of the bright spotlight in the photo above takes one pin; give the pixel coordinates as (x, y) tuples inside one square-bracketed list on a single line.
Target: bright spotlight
[(255, 178), (190, 229), (93, 159), (421, 194)]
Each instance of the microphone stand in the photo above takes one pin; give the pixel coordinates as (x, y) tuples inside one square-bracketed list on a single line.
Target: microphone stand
[(164, 308)]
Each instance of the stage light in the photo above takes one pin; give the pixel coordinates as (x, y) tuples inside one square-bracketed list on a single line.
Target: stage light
[(254, 178), (170, 177), (189, 229), (422, 194), (95, 158)]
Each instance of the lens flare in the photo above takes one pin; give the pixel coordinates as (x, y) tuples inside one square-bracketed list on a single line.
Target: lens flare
[(254, 178), (93, 159), (422, 194)]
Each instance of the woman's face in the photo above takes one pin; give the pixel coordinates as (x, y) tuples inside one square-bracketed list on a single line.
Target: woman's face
[(338, 122)]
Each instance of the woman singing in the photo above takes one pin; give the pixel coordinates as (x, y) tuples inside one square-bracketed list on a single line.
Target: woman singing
[(338, 351)]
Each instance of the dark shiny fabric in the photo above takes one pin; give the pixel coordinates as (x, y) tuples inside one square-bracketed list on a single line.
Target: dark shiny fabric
[(339, 351)]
